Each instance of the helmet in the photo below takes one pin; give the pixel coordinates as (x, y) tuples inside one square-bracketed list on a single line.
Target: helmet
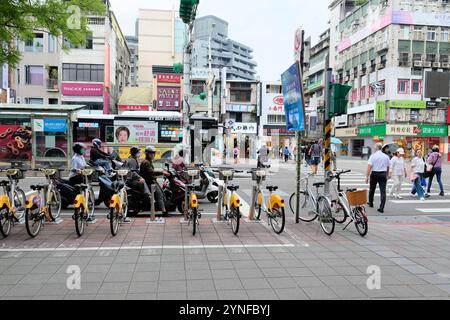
[(150, 150), (97, 143), (401, 151), (436, 149), (77, 147), (134, 151)]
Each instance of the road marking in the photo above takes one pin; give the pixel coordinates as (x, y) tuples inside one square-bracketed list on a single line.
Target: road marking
[(150, 248), (419, 202), (438, 210)]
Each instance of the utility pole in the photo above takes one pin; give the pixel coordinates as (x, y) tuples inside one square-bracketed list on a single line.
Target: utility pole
[(328, 127), (211, 79), (187, 85)]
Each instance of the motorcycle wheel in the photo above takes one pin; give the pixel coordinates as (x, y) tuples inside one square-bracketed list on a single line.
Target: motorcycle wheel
[(213, 197)]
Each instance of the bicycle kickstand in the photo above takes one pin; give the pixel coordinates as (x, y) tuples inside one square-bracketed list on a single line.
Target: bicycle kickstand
[(348, 225)]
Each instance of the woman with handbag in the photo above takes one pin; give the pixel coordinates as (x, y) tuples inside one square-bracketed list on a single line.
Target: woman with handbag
[(434, 168), (417, 170)]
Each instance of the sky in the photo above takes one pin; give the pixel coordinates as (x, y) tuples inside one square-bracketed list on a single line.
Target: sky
[(268, 26)]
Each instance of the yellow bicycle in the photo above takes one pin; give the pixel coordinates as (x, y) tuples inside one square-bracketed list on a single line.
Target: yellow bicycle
[(84, 204), (192, 213), (12, 202), (230, 205), (38, 208), (119, 202)]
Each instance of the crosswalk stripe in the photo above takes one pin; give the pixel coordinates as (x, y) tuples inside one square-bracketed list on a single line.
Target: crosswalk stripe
[(420, 202), (435, 210)]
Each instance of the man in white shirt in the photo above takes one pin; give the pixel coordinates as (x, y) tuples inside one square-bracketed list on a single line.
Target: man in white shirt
[(378, 171)]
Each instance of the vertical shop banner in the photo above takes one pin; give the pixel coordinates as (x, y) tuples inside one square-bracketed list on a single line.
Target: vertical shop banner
[(169, 99), (380, 111), (135, 132), (293, 99)]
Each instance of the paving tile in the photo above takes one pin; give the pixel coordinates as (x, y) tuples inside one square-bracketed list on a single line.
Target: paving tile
[(141, 296), (258, 283), (114, 288), (347, 292), (105, 297), (171, 286), (263, 294), (249, 273), (200, 285), (202, 295), (118, 277), (403, 291), (316, 293), (224, 274), (143, 287), (227, 284), (291, 294), (233, 295), (282, 283), (299, 272), (172, 296)]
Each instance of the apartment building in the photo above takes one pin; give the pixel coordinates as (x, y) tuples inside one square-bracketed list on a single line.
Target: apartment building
[(384, 49)]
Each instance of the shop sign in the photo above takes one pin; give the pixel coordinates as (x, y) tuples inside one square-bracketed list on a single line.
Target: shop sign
[(346, 132), (168, 78), (433, 131), (432, 104), (244, 128), (55, 125), (380, 111), (134, 108), (401, 130), (370, 131), (93, 125), (407, 104), (169, 99), (82, 89)]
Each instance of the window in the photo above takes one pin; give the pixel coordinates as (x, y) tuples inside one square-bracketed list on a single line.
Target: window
[(402, 86), (51, 43), (88, 45), (34, 75), (431, 57), (240, 95), (83, 72), (34, 101), (354, 95), (415, 115), (431, 34), (404, 32), (445, 34), (382, 89), (36, 44), (276, 119), (362, 93), (417, 57), (371, 93), (416, 86)]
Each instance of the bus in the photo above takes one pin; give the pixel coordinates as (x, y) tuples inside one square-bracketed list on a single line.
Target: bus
[(162, 129)]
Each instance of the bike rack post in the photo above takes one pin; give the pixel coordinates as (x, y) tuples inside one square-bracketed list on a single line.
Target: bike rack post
[(152, 199), (251, 214), (220, 204)]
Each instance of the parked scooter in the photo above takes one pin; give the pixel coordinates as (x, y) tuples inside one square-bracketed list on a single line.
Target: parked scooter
[(209, 185)]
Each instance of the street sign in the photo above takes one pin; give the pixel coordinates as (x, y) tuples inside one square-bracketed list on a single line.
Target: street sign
[(298, 44), (293, 99)]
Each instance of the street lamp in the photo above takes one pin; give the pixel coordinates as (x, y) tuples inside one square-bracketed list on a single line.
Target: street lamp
[(211, 79)]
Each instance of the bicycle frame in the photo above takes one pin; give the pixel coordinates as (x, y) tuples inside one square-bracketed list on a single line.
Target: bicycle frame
[(311, 195), (82, 198), (118, 198), (275, 200)]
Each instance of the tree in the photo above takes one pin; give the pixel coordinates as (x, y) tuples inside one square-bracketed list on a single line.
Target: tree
[(19, 19)]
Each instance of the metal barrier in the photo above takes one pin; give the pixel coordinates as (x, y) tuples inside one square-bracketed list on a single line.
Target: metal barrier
[(251, 213)]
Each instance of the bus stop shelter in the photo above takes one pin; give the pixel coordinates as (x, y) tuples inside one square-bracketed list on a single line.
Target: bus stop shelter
[(33, 136)]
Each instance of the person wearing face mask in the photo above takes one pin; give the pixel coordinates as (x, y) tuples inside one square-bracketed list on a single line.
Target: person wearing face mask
[(78, 163)]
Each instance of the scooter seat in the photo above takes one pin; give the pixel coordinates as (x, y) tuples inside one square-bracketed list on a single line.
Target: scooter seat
[(233, 188), (117, 186)]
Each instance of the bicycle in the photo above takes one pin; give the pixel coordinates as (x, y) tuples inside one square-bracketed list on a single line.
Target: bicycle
[(12, 202), (316, 207), (192, 214), (232, 206), (350, 204), (275, 210), (54, 201), (84, 204), (119, 202), (37, 210)]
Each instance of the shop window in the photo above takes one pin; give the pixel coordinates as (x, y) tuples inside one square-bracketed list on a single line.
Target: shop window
[(403, 86), (382, 89), (416, 86), (34, 75), (52, 142), (415, 115)]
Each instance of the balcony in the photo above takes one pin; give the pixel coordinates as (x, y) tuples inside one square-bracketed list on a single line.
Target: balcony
[(52, 85)]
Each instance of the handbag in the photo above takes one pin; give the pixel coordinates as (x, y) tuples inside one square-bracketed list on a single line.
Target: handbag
[(429, 168)]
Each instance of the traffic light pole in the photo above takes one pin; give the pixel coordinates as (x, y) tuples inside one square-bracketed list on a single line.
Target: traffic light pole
[(328, 128)]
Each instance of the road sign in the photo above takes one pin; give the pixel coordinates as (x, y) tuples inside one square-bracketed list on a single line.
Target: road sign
[(293, 99), (298, 44)]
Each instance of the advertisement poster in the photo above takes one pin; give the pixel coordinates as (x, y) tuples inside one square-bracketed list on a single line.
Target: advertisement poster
[(15, 142), (136, 132), (170, 133), (161, 153), (293, 99)]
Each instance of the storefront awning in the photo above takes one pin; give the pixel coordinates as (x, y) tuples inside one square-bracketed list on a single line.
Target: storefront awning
[(132, 96)]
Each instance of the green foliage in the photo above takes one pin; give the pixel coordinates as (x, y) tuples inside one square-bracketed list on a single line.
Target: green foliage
[(178, 68), (19, 19), (339, 100), (360, 2)]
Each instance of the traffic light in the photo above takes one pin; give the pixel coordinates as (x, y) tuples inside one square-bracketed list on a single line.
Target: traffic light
[(178, 68), (188, 10), (339, 99), (202, 96)]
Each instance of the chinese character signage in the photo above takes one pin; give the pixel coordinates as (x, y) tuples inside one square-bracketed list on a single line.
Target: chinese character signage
[(293, 99), (433, 131), (168, 78), (244, 128), (134, 108), (169, 99), (135, 132), (82, 89), (401, 130)]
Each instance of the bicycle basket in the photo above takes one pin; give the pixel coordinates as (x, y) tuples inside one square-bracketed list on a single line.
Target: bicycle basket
[(15, 174), (226, 174), (357, 198), (193, 173), (259, 175)]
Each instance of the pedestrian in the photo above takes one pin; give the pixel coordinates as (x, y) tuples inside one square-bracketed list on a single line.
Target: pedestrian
[(308, 155), (377, 172), (417, 170), (434, 168), (334, 156), (397, 173), (280, 153), (286, 154), (316, 153), (236, 154)]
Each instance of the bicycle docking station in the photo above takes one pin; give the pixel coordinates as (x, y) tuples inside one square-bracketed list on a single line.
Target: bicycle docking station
[(251, 213), (219, 215), (153, 220)]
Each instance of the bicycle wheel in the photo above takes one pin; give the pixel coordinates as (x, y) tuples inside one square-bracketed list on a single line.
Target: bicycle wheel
[(277, 220), (125, 204), (326, 216), (54, 204), (361, 221), (19, 203), (33, 221), (79, 221), (307, 210), (257, 210), (339, 212), (114, 221), (5, 223), (91, 203), (235, 217), (194, 221)]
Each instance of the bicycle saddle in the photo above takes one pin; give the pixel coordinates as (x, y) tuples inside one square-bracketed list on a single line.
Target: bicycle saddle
[(233, 188), (319, 184), (272, 188), (116, 186), (81, 186), (37, 188), (4, 183)]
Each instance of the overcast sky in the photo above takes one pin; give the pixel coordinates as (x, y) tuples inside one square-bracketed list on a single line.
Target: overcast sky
[(268, 26)]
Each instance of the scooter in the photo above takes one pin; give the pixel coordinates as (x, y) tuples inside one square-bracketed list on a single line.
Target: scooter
[(209, 185)]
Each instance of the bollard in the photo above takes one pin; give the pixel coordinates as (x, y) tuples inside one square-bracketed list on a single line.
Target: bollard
[(251, 214), (220, 204), (152, 199)]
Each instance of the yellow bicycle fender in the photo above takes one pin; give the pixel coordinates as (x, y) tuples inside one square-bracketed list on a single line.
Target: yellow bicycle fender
[(4, 202), (30, 203), (235, 201), (276, 202), (260, 199), (194, 201), (115, 202), (79, 202)]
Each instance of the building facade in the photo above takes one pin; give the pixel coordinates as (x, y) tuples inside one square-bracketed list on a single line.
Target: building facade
[(161, 37), (133, 45), (93, 75), (383, 49), (235, 56)]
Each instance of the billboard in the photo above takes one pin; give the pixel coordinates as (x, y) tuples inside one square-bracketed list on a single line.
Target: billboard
[(169, 99), (82, 89), (15, 142), (135, 132), (437, 84), (293, 99)]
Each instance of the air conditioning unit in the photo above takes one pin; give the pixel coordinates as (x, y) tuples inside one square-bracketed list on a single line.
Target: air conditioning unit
[(427, 64), (418, 64), (445, 65), (382, 46), (436, 64), (346, 79), (381, 65)]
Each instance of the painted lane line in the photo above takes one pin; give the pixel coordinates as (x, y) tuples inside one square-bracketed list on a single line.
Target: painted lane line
[(419, 202), (438, 210), (151, 248)]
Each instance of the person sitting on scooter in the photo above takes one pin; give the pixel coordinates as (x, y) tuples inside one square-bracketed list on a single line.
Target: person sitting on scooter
[(134, 180), (99, 157), (179, 166), (78, 164), (150, 175)]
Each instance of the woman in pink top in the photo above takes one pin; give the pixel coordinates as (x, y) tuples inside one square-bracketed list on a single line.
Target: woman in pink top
[(435, 160)]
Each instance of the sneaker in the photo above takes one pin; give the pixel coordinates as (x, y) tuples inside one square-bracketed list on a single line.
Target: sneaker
[(427, 195), (380, 210), (370, 205), (422, 199), (442, 194), (399, 197), (126, 220)]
